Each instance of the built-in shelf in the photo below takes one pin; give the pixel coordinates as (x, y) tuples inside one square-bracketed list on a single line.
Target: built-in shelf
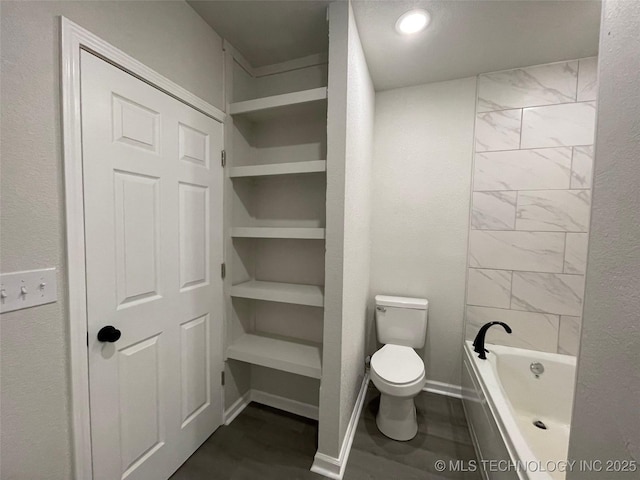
[(312, 295), (312, 166), (266, 104), (287, 355), (309, 233)]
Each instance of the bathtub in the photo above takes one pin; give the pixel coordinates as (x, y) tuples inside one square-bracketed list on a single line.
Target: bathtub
[(502, 398)]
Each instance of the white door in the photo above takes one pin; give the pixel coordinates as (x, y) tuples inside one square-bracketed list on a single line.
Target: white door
[(153, 215)]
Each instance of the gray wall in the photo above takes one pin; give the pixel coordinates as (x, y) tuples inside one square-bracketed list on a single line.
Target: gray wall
[(357, 222), (329, 414), (423, 144), (349, 163), (606, 422), (168, 37)]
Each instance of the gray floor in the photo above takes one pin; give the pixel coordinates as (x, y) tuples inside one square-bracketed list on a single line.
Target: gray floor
[(264, 443)]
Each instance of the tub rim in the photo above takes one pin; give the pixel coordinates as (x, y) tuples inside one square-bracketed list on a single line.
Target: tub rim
[(487, 378)]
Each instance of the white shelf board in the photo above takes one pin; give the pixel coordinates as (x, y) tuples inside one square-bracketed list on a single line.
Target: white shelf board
[(312, 295), (278, 101), (310, 233), (279, 169), (281, 354)]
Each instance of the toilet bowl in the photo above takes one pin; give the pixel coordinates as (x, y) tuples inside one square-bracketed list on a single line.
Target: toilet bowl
[(398, 373), (396, 369)]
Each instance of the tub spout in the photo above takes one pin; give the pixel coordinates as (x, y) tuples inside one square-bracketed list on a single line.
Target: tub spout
[(478, 343)]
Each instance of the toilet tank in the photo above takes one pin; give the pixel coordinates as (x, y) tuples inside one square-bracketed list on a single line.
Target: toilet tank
[(401, 320)]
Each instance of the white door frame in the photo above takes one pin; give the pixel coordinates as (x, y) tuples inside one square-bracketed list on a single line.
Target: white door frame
[(73, 39)]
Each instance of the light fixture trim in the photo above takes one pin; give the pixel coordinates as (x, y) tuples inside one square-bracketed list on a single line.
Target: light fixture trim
[(413, 21)]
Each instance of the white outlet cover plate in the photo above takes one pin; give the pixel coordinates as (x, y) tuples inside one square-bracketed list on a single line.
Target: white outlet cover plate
[(40, 287)]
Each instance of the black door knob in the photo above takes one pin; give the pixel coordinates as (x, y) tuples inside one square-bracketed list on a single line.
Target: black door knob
[(109, 334)]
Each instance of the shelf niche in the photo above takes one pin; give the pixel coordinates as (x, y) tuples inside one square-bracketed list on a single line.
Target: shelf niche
[(305, 102), (310, 295), (285, 354), (278, 232), (289, 168), (276, 191)]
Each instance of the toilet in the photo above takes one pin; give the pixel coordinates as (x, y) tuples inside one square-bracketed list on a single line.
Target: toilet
[(397, 370)]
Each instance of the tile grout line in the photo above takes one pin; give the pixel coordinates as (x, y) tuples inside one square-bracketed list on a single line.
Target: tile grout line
[(524, 311), (515, 270), (511, 291), (534, 190), (560, 323), (577, 82), (544, 105), (532, 148), (532, 231), (564, 254), (573, 153), (521, 127), (527, 67), (515, 213)]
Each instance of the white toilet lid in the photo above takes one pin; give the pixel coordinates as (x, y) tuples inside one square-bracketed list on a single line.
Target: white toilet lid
[(397, 364)]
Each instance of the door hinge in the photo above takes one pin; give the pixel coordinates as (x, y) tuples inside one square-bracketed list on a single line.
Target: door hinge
[(223, 157), (222, 377), (87, 339), (223, 270)]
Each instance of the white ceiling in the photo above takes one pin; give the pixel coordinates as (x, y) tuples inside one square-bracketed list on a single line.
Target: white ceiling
[(269, 31), (464, 38), (470, 37)]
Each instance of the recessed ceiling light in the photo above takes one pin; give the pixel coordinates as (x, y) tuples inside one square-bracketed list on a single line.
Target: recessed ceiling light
[(413, 21)]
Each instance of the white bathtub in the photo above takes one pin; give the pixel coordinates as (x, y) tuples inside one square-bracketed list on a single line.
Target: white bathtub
[(502, 399)]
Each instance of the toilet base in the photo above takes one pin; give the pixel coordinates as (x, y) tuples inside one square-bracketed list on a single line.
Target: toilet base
[(397, 418)]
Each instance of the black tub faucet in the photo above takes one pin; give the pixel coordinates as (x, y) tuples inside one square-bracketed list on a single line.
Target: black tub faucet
[(478, 343)]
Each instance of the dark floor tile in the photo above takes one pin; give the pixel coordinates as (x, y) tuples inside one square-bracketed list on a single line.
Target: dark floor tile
[(440, 406), (439, 436), (421, 452), (455, 433), (265, 443), (253, 470), (367, 466), (438, 424)]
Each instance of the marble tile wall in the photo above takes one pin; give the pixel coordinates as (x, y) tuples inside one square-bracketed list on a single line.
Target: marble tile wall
[(531, 203)]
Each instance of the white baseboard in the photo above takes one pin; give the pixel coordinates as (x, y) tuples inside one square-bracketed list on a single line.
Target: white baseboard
[(271, 400), (333, 467), (238, 406), (327, 466), (286, 404), (442, 388)]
